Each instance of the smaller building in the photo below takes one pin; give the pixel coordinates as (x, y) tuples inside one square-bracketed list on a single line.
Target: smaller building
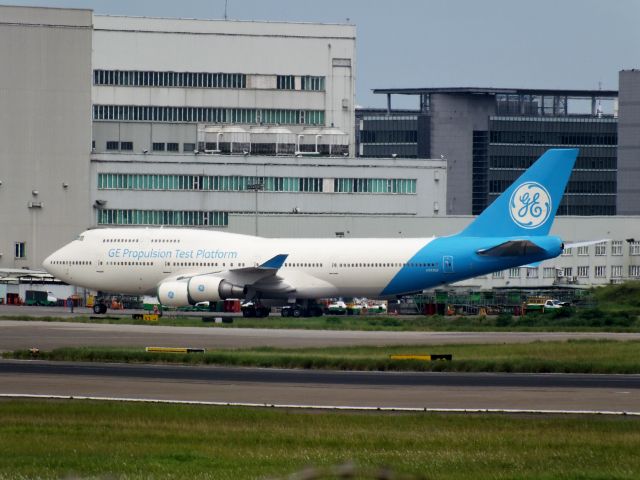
[(628, 179), (383, 134), (207, 189), (491, 135)]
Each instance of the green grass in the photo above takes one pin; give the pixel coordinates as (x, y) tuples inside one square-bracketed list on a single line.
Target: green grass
[(53, 439), (587, 320), (574, 356)]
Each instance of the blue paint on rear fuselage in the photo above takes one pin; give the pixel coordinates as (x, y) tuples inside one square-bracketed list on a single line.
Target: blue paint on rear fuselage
[(450, 259)]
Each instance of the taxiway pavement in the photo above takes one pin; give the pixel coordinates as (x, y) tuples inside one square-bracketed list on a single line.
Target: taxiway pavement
[(546, 392), (17, 334)]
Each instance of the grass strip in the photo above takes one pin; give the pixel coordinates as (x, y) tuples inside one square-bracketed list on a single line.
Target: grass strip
[(573, 356), (86, 439), (588, 320)]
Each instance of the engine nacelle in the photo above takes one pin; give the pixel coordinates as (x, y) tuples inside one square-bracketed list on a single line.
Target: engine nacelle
[(203, 288), (174, 294)]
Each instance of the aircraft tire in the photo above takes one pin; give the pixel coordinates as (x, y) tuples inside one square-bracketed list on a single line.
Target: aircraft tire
[(297, 312), (100, 309), (285, 312)]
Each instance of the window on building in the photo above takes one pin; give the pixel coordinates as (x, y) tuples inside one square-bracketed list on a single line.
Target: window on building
[(286, 82), (567, 271), (374, 185), (158, 147), (600, 271), (20, 250), (127, 146), (583, 272), (113, 145), (634, 247), (311, 83), (616, 271), (188, 147), (601, 248), (162, 217), (549, 272), (616, 247), (532, 272), (583, 250), (170, 79), (634, 271), (514, 272), (241, 183), (173, 147), (499, 274), (567, 252), (208, 114)]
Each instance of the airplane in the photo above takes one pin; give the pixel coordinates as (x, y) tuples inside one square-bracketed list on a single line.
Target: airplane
[(186, 266)]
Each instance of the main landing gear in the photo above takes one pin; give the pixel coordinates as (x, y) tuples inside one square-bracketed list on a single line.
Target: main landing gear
[(306, 309), (255, 309)]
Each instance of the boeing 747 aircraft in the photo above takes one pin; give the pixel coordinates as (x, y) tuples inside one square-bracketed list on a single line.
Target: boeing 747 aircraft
[(186, 266)]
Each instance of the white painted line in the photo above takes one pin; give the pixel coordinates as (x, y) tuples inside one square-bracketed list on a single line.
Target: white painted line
[(322, 407)]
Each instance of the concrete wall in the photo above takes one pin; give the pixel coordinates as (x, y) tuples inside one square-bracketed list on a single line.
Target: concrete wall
[(261, 50), (143, 134), (628, 199), (45, 129), (453, 120), (430, 187)]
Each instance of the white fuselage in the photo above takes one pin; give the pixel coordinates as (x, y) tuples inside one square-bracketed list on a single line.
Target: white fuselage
[(136, 261)]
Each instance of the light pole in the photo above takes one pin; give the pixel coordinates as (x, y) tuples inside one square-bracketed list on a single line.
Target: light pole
[(256, 187)]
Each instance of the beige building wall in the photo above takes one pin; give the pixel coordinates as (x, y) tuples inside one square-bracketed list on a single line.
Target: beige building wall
[(45, 130)]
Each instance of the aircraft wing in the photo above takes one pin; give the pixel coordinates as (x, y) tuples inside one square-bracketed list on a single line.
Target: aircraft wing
[(262, 277)]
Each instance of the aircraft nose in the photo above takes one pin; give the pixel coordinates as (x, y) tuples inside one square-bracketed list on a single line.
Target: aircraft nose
[(46, 264), (49, 264)]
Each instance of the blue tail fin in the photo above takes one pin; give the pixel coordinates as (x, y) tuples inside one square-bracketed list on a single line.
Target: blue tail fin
[(529, 205)]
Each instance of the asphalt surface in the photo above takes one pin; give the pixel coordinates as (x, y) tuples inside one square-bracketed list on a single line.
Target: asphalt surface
[(331, 377), (619, 393), (16, 334)]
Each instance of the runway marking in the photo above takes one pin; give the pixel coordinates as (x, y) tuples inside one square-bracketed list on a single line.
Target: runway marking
[(324, 407)]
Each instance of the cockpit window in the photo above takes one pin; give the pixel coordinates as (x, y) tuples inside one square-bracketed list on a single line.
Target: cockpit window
[(80, 238)]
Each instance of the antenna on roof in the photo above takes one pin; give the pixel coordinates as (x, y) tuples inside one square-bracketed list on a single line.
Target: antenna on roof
[(226, 5)]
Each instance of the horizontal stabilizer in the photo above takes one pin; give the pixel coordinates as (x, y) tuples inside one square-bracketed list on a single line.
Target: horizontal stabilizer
[(512, 248), (275, 263), (584, 244)]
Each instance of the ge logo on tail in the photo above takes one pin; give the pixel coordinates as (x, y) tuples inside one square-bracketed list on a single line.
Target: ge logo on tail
[(530, 205)]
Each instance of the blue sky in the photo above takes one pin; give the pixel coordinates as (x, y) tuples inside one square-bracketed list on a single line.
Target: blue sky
[(437, 43)]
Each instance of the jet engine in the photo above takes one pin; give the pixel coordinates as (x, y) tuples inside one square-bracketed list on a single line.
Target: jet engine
[(209, 288), (173, 294), (200, 288)]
